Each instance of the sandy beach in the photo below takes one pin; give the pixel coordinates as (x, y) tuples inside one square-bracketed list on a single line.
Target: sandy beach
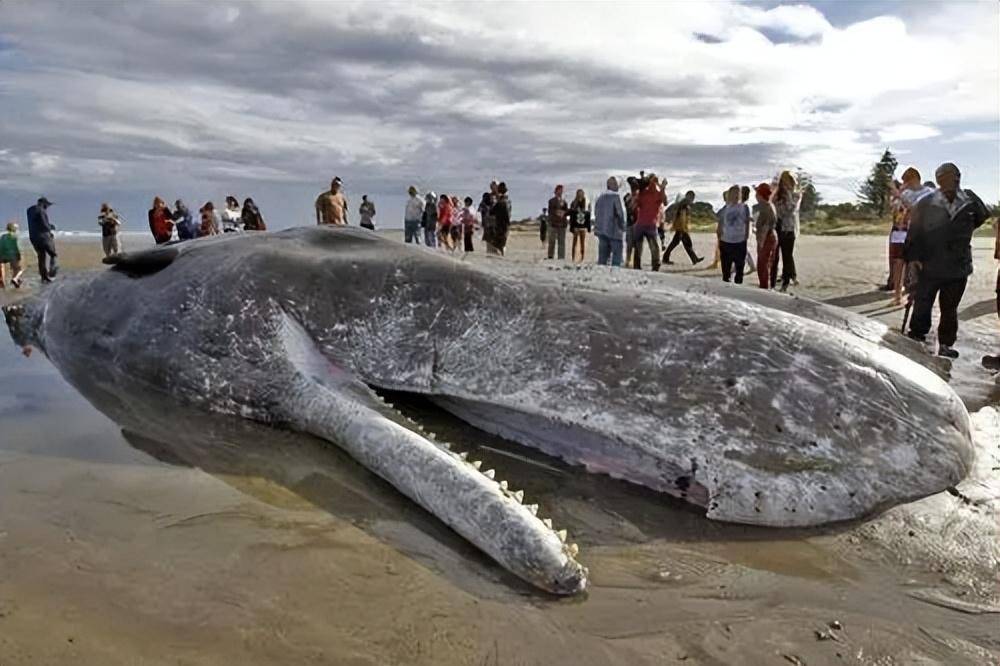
[(164, 536)]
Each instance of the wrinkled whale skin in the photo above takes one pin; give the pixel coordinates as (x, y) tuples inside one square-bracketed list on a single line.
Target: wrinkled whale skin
[(762, 415)]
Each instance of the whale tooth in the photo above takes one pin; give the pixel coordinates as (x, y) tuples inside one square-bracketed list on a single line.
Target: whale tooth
[(431, 435), (573, 550), (389, 404), (490, 473), (562, 535), (477, 463), (464, 455), (547, 522), (519, 496), (533, 508), (503, 485)]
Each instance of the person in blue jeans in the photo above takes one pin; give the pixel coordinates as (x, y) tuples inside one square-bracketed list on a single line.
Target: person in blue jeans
[(609, 225)]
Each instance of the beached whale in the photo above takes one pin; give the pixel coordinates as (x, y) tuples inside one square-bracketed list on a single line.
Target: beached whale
[(755, 413)]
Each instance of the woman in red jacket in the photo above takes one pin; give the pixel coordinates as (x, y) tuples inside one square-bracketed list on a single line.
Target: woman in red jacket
[(161, 221)]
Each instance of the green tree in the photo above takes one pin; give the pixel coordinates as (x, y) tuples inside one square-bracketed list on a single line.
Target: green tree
[(876, 190), (810, 197)]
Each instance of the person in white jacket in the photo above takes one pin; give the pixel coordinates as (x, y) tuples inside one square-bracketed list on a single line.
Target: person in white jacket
[(413, 216), (232, 216)]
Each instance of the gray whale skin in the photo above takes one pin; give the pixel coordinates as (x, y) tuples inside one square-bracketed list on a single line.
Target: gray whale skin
[(730, 399)]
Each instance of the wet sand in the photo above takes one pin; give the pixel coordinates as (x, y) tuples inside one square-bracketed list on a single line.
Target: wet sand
[(140, 534)]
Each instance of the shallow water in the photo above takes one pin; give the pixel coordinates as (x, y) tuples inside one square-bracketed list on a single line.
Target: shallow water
[(150, 532)]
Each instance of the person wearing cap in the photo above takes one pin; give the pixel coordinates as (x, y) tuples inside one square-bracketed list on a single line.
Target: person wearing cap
[(42, 239), (331, 206), (767, 235), (413, 216), (556, 232), (939, 246)]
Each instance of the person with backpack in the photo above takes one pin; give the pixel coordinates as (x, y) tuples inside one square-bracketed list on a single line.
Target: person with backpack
[(430, 220), (10, 254), (679, 217)]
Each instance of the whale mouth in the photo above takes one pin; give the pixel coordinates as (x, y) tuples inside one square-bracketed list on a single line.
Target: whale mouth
[(578, 445)]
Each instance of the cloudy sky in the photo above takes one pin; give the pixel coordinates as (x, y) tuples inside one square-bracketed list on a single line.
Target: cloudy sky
[(120, 101)]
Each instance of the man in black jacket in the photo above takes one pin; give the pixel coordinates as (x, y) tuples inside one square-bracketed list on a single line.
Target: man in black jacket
[(40, 234), (939, 245)]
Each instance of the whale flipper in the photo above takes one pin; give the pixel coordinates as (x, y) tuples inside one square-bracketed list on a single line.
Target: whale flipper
[(331, 403)]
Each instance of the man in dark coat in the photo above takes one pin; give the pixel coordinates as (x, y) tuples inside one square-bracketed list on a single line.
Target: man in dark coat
[(939, 245), (40, 234)]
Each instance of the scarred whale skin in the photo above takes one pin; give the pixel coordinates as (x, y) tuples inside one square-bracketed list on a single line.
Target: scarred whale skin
[(760, 415)]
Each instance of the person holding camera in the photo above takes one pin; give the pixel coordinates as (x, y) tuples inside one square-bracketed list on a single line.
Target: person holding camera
[(647, 216)]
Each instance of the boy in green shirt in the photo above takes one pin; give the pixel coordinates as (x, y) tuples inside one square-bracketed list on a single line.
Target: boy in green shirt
[(10, 253)]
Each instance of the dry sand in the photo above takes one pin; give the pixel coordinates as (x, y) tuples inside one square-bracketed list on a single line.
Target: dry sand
[(196, 540)]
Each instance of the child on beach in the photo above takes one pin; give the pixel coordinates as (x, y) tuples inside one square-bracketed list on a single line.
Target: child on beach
[(10, 253)]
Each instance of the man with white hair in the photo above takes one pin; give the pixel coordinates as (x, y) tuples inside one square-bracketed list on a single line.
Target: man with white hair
[(609, 225), (939, 246)]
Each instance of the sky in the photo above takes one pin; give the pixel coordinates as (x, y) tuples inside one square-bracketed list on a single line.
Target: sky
[(122, 101)]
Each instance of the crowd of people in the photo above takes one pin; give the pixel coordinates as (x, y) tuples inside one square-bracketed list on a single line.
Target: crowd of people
[(930, 255), (448, 223)]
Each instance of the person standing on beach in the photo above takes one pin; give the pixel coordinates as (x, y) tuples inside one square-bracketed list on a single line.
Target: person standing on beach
[(42, 239), (161, 221), (609, 225), (767, 235), (630, 205), (579, 224), (331, 206), (251, 217), (733, 230), (413, 216), (10, 254), (681, 226), (367, 213), (648, 205), (496, 236), (468, 224), (751, 238), (186, 228), (558, 209), (444, 216), (543, 225), (485, 214), (993, 362), (430, 220), (110, 227), (939, 246), (787, 200)]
